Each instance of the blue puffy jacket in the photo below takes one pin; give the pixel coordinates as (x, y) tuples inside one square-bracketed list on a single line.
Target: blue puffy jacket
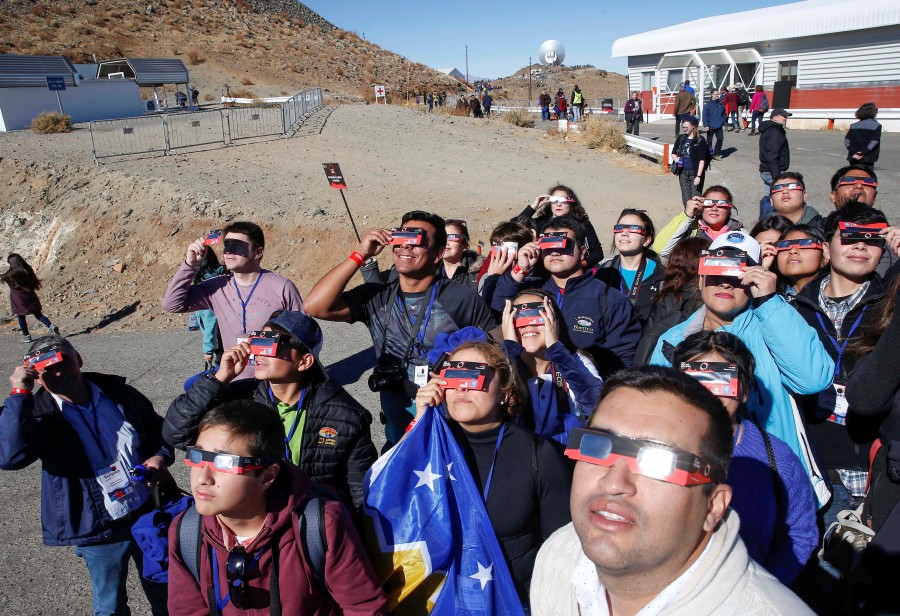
[(789, 358), (599, 319), (714, 114), (551, 422), (33, 428)]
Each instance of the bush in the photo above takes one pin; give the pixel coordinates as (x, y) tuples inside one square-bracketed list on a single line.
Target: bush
[(519, 117), (51, 122), (602, 134), (194, 57), (246, 81), (242, 93)]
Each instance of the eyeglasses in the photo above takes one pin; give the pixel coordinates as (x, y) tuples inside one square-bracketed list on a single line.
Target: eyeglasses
[(787, 186), (223, 462), (720, 378), (807, 242), (236, 570), (630, 228), (554, 240), (529, 313), (465, 375), (848, 180), (560, 199), (711, 203), (456, 237), (649, 458)]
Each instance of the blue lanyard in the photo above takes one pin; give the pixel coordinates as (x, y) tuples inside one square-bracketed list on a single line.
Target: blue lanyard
[(290, 434), (221, 603), (245, 303), (420, 335), (841, 347), (487, 484), (559, 297), (93, 430)]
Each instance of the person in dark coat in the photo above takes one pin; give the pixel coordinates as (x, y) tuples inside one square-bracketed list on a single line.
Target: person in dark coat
[(327, 430), (634, 114), (714, 118), (23, 287), (863, 140), (774, 154)]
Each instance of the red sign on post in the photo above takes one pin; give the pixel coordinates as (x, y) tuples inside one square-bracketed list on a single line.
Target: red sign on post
[(335, 177)]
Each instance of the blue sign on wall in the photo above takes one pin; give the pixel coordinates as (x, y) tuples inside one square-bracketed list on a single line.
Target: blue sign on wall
[(56, 83)]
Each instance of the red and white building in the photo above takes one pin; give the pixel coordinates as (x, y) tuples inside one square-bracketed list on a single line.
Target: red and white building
[(821, 59)]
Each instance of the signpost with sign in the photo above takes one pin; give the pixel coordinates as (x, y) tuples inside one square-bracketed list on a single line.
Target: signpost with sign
[(380, 93), (336, 180), (55, 84)]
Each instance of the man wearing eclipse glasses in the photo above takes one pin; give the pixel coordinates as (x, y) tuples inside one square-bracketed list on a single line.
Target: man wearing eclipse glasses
[(90, 432), (788, 195), (651, 524)]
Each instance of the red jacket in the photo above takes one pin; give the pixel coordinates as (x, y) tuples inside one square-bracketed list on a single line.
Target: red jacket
[(731, 102), (351, 581)]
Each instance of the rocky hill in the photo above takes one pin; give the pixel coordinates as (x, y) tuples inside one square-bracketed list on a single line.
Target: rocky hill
[(595, 83), (268, 47)]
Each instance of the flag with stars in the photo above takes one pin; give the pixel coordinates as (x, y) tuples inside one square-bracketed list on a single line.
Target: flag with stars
[(428, 532)]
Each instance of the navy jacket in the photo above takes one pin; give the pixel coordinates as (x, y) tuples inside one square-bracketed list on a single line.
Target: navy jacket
[(774, 153), (547, 419), (599, 319), (714, 114), (33, 428)]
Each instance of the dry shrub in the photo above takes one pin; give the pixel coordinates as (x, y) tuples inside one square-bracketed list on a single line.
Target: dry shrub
[(222, 48), (51, 122), (37, 10), (246, 81), (339, 71), (601, 134), (194, 57), (242, 93), (209, 97), (340, 34), (446, 110), (519, 117)]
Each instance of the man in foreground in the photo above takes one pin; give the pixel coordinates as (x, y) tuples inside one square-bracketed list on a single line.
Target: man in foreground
[(651, 525)]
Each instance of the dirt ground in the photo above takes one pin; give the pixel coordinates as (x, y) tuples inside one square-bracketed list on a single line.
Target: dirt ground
[(79, 224)]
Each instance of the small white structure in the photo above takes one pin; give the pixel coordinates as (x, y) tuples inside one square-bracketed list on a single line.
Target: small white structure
[(24, 92), (152, 73)]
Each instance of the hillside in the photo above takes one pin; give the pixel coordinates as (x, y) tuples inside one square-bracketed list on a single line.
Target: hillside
[(268, 46), (595, 83)]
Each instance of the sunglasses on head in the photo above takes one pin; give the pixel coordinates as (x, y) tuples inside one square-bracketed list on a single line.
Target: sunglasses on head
[(787, 186), (649, 458), (223, 462), (630, 228), (807, 242), (708, 203), (847, 180)]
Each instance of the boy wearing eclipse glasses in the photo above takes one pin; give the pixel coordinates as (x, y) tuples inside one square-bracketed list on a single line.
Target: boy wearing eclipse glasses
[(251, 553), (651, 525), (788, 195), (90, 432)]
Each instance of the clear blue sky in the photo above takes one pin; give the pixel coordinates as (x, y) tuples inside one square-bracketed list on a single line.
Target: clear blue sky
[(502, 35)]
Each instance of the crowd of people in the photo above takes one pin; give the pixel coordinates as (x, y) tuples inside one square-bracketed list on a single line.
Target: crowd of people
[(675, 427)]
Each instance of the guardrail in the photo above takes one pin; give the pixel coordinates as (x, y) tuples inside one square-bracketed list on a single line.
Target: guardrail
[(648, 146), (166, 132)]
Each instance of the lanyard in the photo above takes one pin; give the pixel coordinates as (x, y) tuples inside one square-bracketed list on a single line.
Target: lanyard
[(94, 430), (245, 303), (221, 603), (300, 413), (420, 334), (559, 297), (487, 484), (636, 284), (841, 347)]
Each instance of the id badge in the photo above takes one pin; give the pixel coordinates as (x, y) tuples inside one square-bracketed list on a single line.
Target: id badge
[(420, 376), (835, 400), (117, 485)]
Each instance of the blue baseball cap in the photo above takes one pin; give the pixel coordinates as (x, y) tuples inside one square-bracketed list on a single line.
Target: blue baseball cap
[(305, 330)]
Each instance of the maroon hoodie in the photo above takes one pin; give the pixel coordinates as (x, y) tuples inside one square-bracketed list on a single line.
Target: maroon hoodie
[(349, 576)]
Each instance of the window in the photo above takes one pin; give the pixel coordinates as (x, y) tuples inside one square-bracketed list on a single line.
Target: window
[(648, 81), (674, 80), (787, 71)]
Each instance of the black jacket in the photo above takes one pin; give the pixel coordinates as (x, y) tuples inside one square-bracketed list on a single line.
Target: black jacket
[(698, 149), (337, 444), (838, 446), (774, 153), (864, 137), (664, 315), (646, 294)]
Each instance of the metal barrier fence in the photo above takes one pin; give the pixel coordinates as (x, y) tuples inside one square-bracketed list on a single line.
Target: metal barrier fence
[(166, 132)]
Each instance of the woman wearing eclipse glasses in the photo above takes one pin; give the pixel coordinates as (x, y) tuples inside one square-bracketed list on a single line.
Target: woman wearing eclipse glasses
[(800, 259), (563, 383), (708, 216), (770, 492), (562, 201), (524, 479), (635, 270)]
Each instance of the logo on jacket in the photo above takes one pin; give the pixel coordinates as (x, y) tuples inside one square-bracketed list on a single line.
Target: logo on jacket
[(735, 238), (584, 325), (326, 436)]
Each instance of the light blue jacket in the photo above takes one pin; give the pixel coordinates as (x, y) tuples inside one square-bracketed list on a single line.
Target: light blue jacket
[(789, 358)]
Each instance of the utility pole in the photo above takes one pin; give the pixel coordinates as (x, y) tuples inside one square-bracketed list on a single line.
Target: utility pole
[(529, 81), (467, 66)]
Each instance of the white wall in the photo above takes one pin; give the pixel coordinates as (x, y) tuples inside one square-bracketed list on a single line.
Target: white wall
[(92, 100)]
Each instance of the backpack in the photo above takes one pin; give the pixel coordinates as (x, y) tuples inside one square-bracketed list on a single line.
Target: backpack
[(310, 525), (743, 97), (764, 103)]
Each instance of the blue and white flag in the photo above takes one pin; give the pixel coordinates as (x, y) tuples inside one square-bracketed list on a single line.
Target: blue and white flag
[(428, 532)]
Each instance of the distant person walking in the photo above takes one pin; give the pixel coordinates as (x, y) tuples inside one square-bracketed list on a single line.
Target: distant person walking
[(544, 101), (562, 106), (486, 101), (634, 114), (685, 103), (774, 154), (714, 118), (688, 88), (577, 99), (863, 140), (731, 109), (23, 287), (743, 106), (429, 100), (475, 107), (691, 154), (759, 105)]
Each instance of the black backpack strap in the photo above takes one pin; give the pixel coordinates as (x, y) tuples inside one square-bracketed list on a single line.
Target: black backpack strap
[(773, 467), (534, 466), (311, 528), (189, 541)]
